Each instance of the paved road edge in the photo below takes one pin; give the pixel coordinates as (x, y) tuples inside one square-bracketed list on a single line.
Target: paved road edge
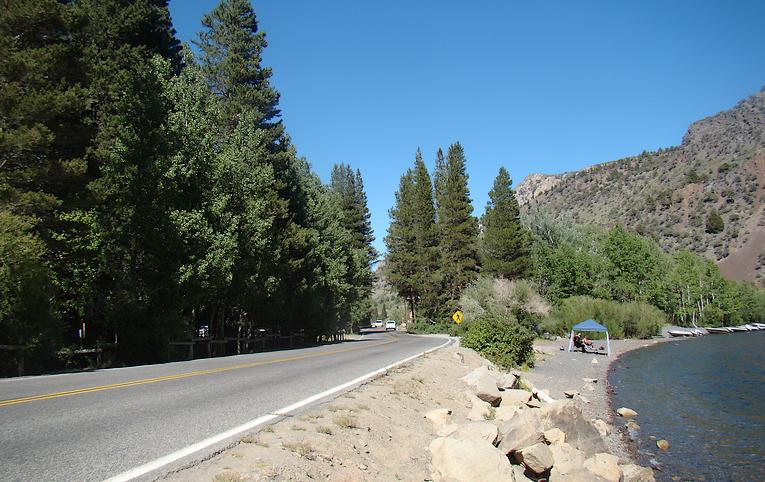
[(215, 439)]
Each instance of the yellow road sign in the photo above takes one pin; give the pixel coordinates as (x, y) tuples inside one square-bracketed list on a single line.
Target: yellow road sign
[(457, 317)]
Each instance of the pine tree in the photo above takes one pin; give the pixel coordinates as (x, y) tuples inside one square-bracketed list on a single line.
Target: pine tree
[(505, 244), (412, 242), (232, 50), (457, 228)]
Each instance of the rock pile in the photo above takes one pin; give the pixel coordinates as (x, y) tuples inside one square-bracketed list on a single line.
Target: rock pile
[(516, 434)]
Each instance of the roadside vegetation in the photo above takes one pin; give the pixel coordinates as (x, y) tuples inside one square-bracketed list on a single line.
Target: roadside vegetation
[(524, 276), (149, 195)]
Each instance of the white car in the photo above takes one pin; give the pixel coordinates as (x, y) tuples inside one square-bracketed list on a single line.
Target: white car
[(390, 325), (377, 324)]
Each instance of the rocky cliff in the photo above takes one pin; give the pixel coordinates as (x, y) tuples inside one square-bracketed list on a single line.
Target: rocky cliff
[(675, 194)]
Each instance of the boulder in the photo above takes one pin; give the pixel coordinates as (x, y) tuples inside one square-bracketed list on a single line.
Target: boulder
[(579, 475), (636, 473), (583, 398), (479, 410), (632, 425), (523, 430), (605, 466), (626, 412), (566, 459), (537, 458), (439, 416), (506, 381), (555, 436), (519, 474), (477, 431), (475, 375), (503, 413), (446, 430), (663, 444), (486, 389), (515, 397), (468, 460), (580, 433), (601, 426)]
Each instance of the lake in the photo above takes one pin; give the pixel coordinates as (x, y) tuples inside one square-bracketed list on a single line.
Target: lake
[(706, 396)]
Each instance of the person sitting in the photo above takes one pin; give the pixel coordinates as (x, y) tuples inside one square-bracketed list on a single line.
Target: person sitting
[(587, 342), (578, 341)]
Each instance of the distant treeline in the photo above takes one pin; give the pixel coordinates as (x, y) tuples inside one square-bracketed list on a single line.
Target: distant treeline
[(437, 249), (147, 193)]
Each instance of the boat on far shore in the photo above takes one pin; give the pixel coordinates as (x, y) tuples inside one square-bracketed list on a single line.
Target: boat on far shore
[(718, 330)]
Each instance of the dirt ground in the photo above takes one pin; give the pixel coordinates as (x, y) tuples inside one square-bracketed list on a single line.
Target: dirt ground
[(378, 430)]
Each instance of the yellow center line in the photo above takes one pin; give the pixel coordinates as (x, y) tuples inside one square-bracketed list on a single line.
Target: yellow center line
[(196, 373)]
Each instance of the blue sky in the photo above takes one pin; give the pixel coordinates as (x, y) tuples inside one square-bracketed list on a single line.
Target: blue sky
[(535, 86)]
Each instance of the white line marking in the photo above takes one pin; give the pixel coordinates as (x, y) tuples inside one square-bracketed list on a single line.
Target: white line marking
[(203, 444)]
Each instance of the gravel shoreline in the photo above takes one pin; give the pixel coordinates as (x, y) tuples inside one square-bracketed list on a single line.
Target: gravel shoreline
[(557, 371)]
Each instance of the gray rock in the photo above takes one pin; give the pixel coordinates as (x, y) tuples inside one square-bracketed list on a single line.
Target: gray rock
[(580, 433), (566, 458), (626, 412), (605, 466), (439, 416), (486, 389), (469, 460), (523, 430), (515, 397), (477, 431), (636, 473), (537, 458)]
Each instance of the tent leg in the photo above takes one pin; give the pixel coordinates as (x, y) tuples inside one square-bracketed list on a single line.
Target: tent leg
[(570, 340), (608, 344)]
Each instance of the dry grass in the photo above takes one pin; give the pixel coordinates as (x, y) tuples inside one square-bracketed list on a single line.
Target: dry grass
[(298, 428), (229, 476), (268, 429), (302, 448), (324, 429), (310, 417), (346, 421)]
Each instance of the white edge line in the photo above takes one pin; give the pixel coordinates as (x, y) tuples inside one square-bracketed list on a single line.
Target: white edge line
[(203, 444)]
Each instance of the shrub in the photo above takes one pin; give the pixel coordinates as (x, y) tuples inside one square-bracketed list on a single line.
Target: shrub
[(504, 299), (433, 328), (506, 344), (623, 320)]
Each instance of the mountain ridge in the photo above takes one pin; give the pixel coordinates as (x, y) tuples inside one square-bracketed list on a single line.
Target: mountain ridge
[(671, 194)]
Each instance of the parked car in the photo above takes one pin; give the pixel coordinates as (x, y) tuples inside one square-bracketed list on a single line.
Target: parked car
[(390, 325), (377, 324)]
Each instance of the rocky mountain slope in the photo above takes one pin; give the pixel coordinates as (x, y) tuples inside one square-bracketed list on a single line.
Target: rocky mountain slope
[(673, 194)]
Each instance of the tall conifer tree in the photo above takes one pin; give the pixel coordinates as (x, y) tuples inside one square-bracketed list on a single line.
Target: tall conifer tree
[(506, 243), (412, 241), (457, 228)]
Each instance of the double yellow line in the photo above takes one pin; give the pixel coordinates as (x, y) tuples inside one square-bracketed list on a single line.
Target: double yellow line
[(179, 376)]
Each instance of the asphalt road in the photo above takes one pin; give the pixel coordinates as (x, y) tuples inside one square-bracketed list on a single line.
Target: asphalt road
[(95, 425)]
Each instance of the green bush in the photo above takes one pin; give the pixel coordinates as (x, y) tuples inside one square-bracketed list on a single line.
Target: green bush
[(506, 344), (428, 328), (623, 320)]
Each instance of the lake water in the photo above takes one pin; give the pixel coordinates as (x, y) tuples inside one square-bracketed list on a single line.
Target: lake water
[(706, 396)]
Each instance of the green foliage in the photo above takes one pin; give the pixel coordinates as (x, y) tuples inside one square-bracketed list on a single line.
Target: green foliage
[(413, 256), (436, 328), (150, 195), (714, 223), (457, 228), (515, 300), (623, 320), (506, 243), (505, 343)]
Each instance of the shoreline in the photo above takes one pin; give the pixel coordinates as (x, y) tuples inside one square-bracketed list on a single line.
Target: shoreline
[(385, 430), (557, 371)]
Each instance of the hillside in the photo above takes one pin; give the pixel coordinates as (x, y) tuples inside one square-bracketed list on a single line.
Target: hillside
[(669, 194)]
